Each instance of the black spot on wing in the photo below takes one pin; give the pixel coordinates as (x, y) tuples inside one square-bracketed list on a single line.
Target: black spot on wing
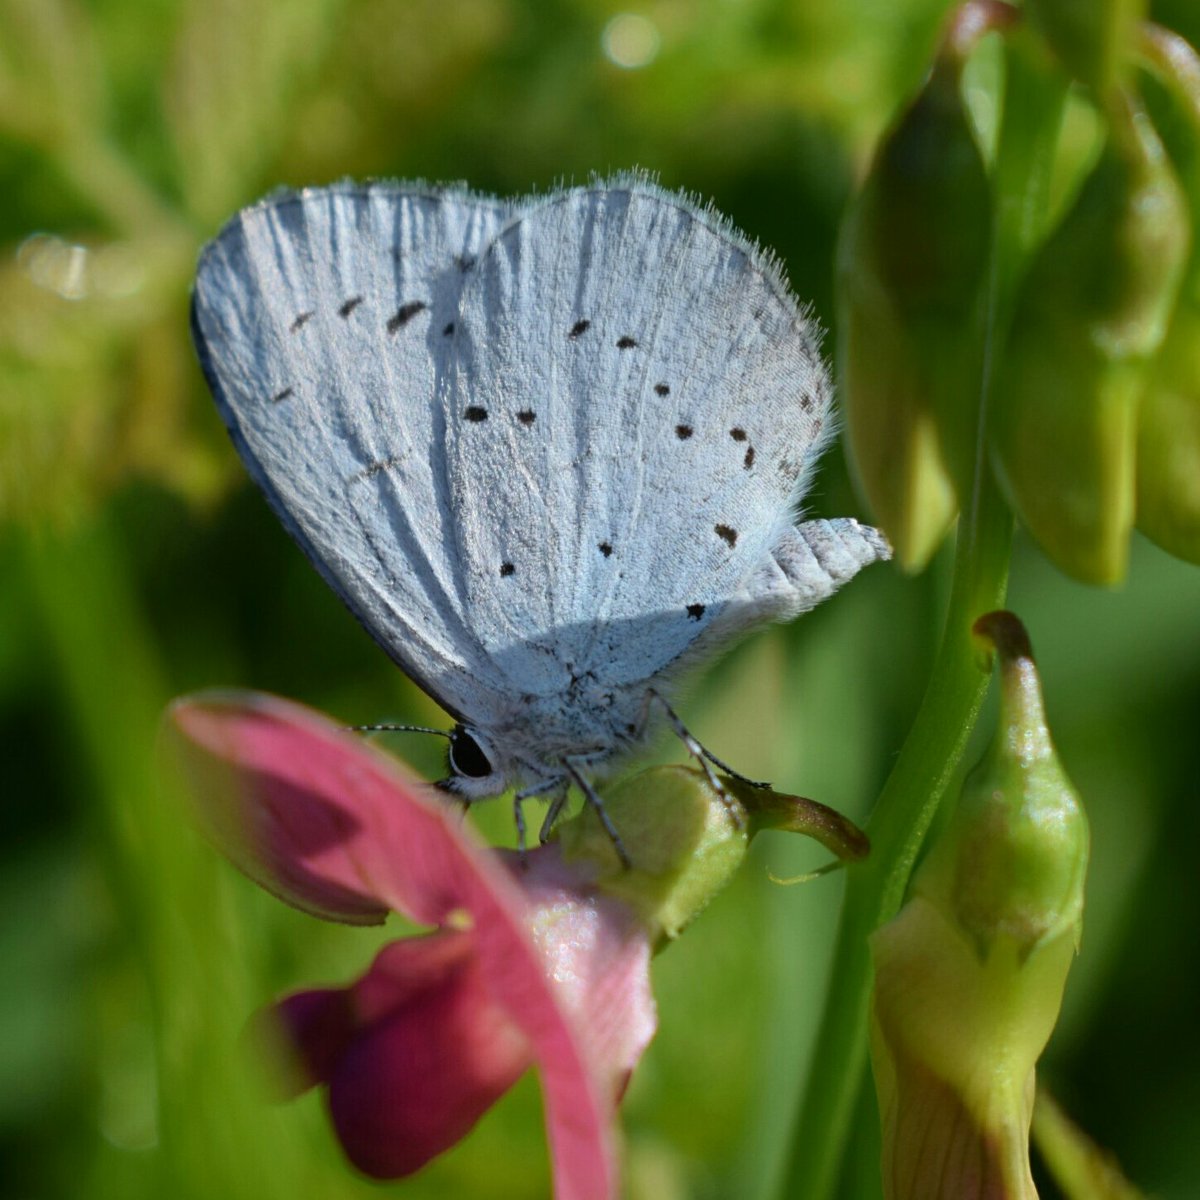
[(726, 533), (299, 322), (449, 329), (695, 611), (476, 414), (527, 417), (626, 342), (806, 403), (661, 389), (605, 548), (738, 434), (748, 461), (404, 314), (348, 306), (683, 432), (507, 569), (579, 327), (275, 399), (464, 262)]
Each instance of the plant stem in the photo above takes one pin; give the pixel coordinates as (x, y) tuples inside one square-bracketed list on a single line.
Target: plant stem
[(929, 759), (906, 806)]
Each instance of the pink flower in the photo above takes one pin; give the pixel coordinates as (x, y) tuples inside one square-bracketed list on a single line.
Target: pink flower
[(525, 966)]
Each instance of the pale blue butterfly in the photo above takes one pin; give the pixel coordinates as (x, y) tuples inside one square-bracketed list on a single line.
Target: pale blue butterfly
[(548, 451)]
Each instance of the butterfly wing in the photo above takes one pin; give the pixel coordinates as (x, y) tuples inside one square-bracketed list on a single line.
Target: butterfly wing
[(324, 321), (635, 403)]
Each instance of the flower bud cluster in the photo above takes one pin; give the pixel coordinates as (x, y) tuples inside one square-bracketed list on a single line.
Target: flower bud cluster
[(1093, 421)]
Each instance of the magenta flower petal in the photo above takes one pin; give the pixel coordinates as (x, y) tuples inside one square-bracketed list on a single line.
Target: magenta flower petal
[(309, 812), (431, 1058), (413, 1054), (328, 824), (319, 1025), (599, 958)]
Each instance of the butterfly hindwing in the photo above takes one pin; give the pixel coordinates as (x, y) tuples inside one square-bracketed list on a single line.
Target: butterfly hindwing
[(634, 403)]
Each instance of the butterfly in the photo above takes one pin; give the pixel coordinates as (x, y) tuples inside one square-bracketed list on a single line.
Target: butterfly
[(547, 450)]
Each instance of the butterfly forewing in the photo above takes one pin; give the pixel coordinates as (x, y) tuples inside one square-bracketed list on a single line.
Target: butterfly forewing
[(325, 323)]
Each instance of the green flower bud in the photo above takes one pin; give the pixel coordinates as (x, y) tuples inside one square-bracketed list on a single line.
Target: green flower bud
[(1090, 316), (911, 263), (1168, 456), (686, 839), (969, 975), (1090, 37), (1168, 462)]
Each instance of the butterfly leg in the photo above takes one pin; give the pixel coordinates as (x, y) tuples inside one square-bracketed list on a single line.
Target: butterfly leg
[(552, 813), (701, 753), (702, 756), (593, 798), (538, 789), (519, 818)]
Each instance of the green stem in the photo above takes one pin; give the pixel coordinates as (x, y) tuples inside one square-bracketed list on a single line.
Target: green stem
[(906, 806), (930, 757)]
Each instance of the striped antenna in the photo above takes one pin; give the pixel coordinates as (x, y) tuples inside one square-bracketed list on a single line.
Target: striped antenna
[(397, 729)]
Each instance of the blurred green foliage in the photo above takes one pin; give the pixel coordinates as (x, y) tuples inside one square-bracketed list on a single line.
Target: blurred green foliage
[(135, 564)]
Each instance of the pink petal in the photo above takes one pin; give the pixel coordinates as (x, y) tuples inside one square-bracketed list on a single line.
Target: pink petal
[(430, 1059), (329, 824), (599, 954), (269, 796), (319, 1024)]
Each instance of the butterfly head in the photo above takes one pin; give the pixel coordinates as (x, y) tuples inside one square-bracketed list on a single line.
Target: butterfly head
[(476, 771)]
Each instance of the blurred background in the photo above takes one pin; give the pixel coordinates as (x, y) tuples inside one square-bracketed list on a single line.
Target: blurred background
[(137, 563)]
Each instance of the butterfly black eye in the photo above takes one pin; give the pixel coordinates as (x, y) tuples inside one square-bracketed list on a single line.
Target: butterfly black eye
[(466, 758)]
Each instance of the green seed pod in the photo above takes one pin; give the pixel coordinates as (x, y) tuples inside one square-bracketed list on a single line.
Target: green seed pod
[(687, 840), (969, 975), (1168, 464), (1090, 315), (911, 263), (1168, 457), (1090, 37), (1013, 859)]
